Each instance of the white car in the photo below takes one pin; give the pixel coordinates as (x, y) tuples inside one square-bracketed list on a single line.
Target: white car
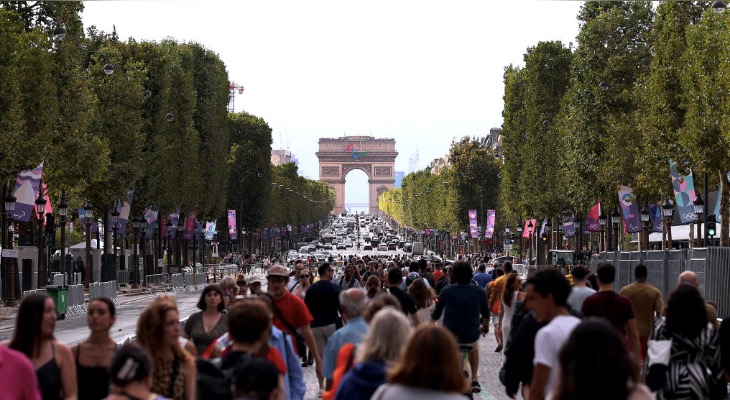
[(382, 247)]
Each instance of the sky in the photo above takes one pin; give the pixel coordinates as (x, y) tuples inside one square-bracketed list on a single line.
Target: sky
[(424, 73)]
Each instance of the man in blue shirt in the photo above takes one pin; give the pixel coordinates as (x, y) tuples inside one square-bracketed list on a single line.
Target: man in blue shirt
[(482, 278), (462, 305), (352, 306)]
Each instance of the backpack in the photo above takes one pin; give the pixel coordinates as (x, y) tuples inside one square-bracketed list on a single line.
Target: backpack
[(345, 359), (214, 382)]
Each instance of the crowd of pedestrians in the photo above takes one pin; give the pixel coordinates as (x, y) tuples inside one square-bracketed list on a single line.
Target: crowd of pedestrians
[(387, 329)]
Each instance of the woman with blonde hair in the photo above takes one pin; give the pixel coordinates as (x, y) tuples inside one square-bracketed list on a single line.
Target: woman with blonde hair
[(428, 369), (230, 290), (382, 346), (158, 332), (424, 299)]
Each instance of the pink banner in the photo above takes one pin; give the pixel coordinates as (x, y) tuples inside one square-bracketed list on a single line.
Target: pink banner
[(592, 222), (491, 216), (189, 227), (473, 229), (232, 230), (529, 230)]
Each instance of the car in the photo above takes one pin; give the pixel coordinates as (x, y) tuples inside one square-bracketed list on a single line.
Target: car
[(367, 247), (382, 247), (367, 239), (341, 246), (407, 247), (392, 246)]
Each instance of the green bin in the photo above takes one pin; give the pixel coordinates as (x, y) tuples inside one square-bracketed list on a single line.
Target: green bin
[(60, 296)]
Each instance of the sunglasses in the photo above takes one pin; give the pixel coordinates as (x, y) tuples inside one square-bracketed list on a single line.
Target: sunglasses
[(304, 276)]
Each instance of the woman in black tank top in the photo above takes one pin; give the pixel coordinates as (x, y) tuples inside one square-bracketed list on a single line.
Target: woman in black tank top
[(33, 336), (94, 354)]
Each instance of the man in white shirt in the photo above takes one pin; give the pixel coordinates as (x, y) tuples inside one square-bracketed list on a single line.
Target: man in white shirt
[(547, 293)]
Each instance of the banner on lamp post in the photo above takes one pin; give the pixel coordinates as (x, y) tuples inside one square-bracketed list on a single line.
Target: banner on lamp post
[(473, 229), (491, 216), (232, 231), (629, 210)]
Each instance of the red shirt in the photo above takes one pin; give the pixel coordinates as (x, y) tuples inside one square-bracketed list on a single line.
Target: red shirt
[(437, 275), (294, 311)]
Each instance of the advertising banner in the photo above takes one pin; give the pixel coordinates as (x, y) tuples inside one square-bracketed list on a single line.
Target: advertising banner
[(684, 194), (491, 216), (232, 230), (473, 229), (629, 210), (592, 222)]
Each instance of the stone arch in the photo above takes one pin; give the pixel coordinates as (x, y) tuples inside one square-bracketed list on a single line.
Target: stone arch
[(339, 156)]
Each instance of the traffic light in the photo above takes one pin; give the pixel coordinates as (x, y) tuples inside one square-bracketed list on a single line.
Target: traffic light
[(544, 238), (711, 226)]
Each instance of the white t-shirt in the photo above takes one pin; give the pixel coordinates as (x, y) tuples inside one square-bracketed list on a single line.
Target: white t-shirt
[(400, 392), (548, 342)]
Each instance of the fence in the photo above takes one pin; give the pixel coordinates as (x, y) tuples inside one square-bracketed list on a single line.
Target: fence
[(711, 265), (188, 282), (103, 289)]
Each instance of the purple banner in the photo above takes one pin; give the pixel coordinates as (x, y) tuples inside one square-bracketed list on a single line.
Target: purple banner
[(592, 222), (174, 219), (232, 230), (491, 216), (684, 194), (473, 229), (629, 209), (655, 212), (124, 211), (26, 192), (568, 222), (210, 230), (189, 228), (82, 217)]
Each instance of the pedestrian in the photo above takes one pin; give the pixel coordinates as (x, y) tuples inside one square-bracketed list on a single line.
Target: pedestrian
[(242, 285), (595, 364), (429, 368), (353, 304), (322, 300), (158, 333), (381, 347), (204, 326), (684, 356), (254, 285), (424, 299), (349, 279), (580, 289), (17, 376), (130, 372), (466, 314), (294, 275), (52, 360), (305, 282), (648, 305), (94, 354), (690, 278), (482, 277), (547, 293), (408, 306), (256, 378), (292, 316), (512, 294), (494, 291), (613, 306), (373, 286), (229, 289)]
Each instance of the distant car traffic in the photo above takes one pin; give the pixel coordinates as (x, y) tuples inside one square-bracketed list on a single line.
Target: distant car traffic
[(367, 247), (383, 247)]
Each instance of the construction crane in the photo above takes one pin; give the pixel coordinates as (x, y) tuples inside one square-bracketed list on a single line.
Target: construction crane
[(232, 89)]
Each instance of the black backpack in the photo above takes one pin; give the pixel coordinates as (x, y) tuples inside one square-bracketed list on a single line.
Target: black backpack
[(214, 382)]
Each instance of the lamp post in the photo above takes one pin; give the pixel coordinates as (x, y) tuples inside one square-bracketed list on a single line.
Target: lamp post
[(602, 221), (9, 202), (506, 234), (141, 229), (668, 211), (559, 241), (196, 238), (88, 215), (519, 233), (699, 206), (168, 230), (578, 238), (63, 212), (531, 230), (135, 264), (645, 217), (615, 219), (40, 209), (115, 227), (178, 247)]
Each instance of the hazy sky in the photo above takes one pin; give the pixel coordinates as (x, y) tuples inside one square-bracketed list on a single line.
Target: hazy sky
[(421, 72)]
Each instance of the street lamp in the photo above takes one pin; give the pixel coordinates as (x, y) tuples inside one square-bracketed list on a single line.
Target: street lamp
[(602, 221), (196, 238), (718, 7), (668, 211), (9, 263), (559, 241), (115, 227), (578, 238), (168, 229), (63, 212), (645, 217), (40, 209), (178, 247), (699, 206), (519, 233), (615, 219), (531, 230), (88, 215), (59, 33), (135, 270)]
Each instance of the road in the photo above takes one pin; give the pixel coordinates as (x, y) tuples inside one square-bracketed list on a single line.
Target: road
[(73, 330)]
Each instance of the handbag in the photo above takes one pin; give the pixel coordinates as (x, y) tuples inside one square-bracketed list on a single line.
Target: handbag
[(296, 335)]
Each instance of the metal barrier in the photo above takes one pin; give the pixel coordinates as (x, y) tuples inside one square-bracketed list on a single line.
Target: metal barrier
[(156, 281), (178, 283), (123, 277), (58, 280), (76, 301)]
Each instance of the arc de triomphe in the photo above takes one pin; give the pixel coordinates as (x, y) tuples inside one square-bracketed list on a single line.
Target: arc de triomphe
[(375, 157)]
